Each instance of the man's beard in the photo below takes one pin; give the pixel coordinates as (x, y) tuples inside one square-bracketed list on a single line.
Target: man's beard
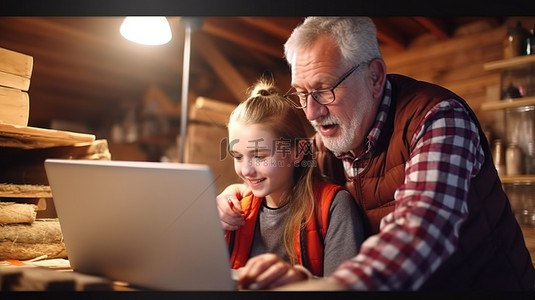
[(342, 142)]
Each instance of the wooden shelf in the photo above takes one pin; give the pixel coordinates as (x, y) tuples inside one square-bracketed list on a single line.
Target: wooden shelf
[(25, 191), (508, 103), (32, 137), (518, 179), (510, 63)]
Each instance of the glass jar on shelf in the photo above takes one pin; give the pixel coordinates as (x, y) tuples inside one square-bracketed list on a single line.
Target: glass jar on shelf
[(513, 160), (515, 40), (530, 42), (522, 198), (498, 157), (518, 82), (520, 130)]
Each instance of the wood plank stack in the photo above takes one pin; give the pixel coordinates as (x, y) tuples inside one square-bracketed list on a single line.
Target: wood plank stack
[(15, 73), (455, 63), (29, 226), (207, 139)]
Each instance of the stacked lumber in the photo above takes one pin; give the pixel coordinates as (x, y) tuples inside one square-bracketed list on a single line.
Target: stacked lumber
[(15, 73), (29, 226), (207, 139)]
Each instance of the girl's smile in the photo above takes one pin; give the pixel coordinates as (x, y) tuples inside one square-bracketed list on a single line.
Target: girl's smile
[(265, 166)]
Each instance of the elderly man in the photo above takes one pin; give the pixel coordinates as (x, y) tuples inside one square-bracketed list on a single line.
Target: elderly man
[(414, 157)]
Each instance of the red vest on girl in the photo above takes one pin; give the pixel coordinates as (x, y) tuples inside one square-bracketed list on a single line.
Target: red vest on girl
[(308, 242)]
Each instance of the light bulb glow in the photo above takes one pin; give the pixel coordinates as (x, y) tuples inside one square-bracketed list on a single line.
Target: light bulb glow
[(146, 30)]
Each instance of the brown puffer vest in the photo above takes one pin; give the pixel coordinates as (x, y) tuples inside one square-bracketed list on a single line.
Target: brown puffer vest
[(491, 254)]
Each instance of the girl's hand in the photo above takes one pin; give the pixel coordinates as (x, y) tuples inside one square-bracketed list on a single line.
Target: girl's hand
[(229, 207), (268, 271)]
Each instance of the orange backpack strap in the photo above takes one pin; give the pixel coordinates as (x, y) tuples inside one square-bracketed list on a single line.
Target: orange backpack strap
[(240, 241)]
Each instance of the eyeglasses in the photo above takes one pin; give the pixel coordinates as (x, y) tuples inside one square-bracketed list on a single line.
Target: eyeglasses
[(322, 96)]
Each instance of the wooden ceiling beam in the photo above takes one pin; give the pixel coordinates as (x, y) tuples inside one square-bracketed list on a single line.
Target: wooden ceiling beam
[(49, 27), (244, 36), (388, 35), (435, 26), (270, 25), (222, 67), (46, 50)]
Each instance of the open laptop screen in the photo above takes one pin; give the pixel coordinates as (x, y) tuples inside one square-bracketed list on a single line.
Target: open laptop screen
[(151, 224)]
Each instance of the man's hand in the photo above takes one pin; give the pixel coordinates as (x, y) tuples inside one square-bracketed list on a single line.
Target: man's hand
[(229, 207), (268, 271)]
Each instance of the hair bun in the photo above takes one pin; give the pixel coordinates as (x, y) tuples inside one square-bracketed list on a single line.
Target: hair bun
[(264, 87)]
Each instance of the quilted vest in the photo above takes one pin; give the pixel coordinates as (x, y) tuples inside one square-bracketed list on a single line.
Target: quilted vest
[(309, 241), (491, 252)]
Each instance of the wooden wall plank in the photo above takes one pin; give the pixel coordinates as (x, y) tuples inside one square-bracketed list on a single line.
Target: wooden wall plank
[(458, 64)]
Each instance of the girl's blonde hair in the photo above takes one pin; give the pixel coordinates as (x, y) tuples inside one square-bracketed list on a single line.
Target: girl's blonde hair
[(269, 109)]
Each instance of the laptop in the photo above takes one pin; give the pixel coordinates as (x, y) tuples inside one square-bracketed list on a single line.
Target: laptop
[(153, 225)]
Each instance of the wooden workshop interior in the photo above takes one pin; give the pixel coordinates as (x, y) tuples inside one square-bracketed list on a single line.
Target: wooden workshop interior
[(73, 87)]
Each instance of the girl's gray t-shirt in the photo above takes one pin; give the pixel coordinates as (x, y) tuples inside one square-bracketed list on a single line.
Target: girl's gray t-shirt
[(344, 234)]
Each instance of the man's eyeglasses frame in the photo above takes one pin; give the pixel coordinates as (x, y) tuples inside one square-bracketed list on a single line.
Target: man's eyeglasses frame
[(299, 99)]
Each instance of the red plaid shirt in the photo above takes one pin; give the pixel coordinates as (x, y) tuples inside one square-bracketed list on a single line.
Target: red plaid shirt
[(422, 231)]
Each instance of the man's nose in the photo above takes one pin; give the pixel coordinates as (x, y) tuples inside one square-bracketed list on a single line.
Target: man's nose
[(313, 110)]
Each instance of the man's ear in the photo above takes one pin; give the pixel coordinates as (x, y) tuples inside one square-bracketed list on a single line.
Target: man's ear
[(377, 77)]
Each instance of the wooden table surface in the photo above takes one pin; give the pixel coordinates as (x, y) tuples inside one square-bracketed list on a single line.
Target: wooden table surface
[(52, 275), (57, 275)]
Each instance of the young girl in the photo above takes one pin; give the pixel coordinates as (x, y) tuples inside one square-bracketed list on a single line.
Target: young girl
[(307, 226)]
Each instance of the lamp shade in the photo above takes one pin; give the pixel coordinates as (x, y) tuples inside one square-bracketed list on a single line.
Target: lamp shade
[(146, 30)]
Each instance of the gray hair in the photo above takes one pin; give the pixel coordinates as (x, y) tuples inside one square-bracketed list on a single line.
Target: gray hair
[(355, 36)]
